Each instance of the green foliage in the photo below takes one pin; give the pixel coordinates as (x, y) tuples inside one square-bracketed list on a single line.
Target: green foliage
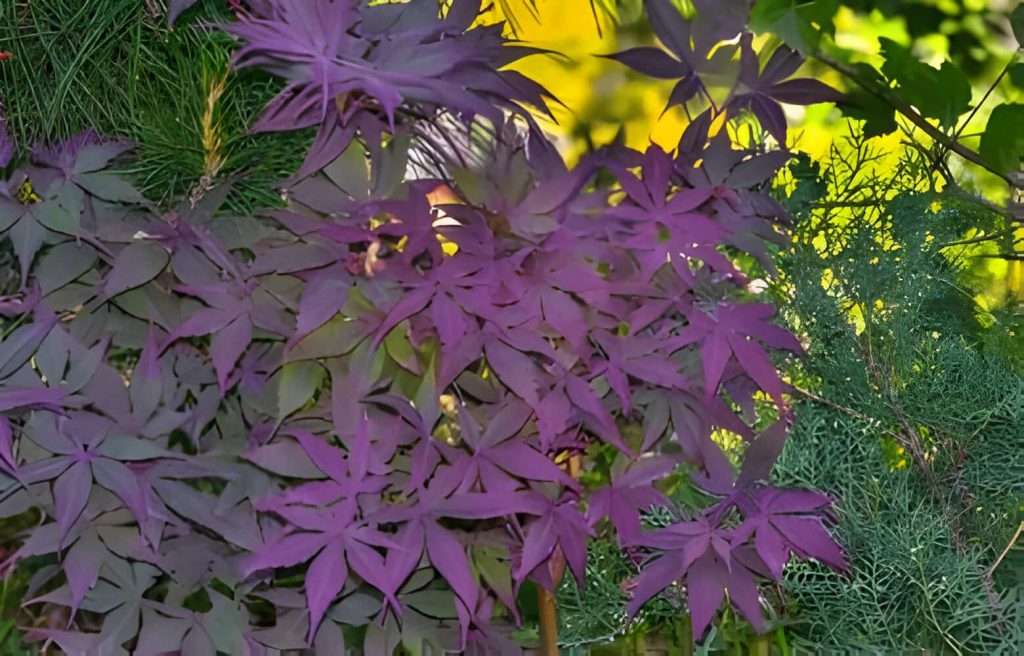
[(976, 71), (114, 66), (1002, 144), (597, 613), (801, 24), (1017, 23), (910, 587), (920, 83), (10, 639), (911, 416), (67, 72)]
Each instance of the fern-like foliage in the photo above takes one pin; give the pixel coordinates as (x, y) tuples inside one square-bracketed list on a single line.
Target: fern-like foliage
[(912, 411), (909, 410)]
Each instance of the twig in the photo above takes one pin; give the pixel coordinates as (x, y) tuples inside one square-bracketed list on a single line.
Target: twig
[(977, 240), (1013, 541), (828, 205), (906, 110), (836, 406), (1006, 69)]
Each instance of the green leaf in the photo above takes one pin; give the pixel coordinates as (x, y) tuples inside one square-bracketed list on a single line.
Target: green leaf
[(433, 603), (299, 381), (1002, 144), (124, 447), (942, 93), (1017, 75), (64, 263), (335, 338), (799, 23), (1017, 24), (137, 264), (10, 212), (879, 116)]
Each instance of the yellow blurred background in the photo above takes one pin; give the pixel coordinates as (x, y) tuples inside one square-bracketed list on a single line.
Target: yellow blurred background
[(600, 97)]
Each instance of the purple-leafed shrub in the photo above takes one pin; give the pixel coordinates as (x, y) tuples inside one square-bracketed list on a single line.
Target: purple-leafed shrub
[(394, 402)]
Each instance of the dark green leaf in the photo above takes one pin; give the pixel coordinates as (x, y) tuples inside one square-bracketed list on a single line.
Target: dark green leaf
[(879, 116), (55, 217), (942, 93), (137, 264), (1017, 75), (64, 263), (1002, 144), (1017, 24)]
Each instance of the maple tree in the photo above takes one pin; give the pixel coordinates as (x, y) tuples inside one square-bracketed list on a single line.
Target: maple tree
[(379, 390)]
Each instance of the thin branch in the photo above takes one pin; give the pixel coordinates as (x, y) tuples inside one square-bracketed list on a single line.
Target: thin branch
[(906, 110), (958, 133), (978, 240), (1004, 256), (1006, 69), (838, 204), (1013, 541)]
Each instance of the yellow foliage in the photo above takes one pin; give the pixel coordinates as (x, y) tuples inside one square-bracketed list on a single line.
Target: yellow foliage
[(598, 96)]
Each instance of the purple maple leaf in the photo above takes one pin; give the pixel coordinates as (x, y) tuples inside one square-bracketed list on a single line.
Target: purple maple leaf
[(766, 87), (733, 331)]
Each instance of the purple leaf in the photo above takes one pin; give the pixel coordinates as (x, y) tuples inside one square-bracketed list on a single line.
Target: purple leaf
[(70, 494), (516, 371), (488, 315), (324, 580), (449, 558), (82, 567), (651, 62), (6, 144), (227, 346), (8, 464), (705, 591), (136, 265), (762, 453), (325, 295)]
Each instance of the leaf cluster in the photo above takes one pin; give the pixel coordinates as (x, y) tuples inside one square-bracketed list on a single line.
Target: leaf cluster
[(369, 415), (911, 414)]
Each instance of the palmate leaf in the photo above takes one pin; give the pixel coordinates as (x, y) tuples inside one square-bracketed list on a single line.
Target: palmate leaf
[(343, 60), (768, 86), (732, 331), (703, 557), (398, 389)]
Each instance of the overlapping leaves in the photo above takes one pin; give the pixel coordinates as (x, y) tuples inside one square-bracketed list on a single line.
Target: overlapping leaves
[(387, 392), (349, 67)]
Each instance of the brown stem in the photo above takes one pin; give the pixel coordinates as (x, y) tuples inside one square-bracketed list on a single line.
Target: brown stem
[(1013, 541), (901, 106), (548, 623)]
